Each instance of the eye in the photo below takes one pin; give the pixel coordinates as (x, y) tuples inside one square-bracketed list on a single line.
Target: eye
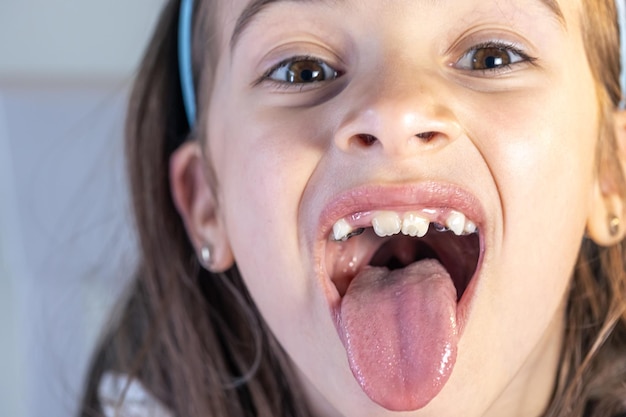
[(302, 70), (490, 57)]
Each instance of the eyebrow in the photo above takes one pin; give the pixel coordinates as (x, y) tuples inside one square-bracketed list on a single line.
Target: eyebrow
[(256, 6), (553, 5), (252, 9)]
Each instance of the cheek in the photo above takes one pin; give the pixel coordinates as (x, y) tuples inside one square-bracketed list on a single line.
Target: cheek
[(262, 169), (544, 170), (541, 151), (543, 167)]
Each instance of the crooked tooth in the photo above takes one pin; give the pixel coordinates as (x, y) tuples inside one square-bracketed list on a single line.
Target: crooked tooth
[(386, 223), (341, 230), (470, 227), (456, 222), (414, 225)]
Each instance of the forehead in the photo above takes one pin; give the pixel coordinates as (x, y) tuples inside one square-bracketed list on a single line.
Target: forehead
[(250, 9)]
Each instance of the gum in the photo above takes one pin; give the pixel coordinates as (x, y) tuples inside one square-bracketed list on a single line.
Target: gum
[(436, 216)]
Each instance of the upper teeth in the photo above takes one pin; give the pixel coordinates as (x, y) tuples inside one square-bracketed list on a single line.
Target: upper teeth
[(387, 223), (341, 230), (456, 222), (412, 223)]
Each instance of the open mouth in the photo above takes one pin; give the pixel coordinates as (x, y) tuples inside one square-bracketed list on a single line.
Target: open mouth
[(395, 240), (401, 265)]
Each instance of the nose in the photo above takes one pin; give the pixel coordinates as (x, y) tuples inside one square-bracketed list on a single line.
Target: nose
[(398, 120)]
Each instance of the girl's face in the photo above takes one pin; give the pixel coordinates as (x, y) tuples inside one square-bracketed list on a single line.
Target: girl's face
[(332, 118)]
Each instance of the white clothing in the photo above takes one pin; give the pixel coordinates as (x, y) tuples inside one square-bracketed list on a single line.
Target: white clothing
[(121, 397)]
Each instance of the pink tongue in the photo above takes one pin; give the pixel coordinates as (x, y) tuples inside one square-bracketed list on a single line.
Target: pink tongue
[(400, 333)]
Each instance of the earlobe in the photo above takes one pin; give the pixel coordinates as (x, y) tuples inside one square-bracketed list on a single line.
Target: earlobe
[(198, 207), (605, 223)]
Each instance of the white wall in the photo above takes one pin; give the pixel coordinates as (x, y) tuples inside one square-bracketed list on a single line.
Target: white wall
[(73, 38), (11, 359), (66, 244)]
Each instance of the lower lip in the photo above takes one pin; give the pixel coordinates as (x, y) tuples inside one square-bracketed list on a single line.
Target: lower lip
[(465, 304)]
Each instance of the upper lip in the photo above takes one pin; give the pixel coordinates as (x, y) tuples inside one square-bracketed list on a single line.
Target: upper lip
[(391, 197)]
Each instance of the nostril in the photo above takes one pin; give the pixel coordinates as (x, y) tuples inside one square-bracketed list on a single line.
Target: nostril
[(426, 136), (366, 139)]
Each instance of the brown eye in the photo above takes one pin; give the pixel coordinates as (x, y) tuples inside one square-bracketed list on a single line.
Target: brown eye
[(303, 71), (491, 56), (306, 72)]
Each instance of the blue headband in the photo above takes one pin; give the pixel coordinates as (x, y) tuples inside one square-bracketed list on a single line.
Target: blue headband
[(184, 60), (621, 20)]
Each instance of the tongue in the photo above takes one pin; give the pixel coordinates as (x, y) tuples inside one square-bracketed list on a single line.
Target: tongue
[(399, 330)]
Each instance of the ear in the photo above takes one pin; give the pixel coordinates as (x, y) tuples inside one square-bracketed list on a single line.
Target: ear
[(606, 225), (197, 205)]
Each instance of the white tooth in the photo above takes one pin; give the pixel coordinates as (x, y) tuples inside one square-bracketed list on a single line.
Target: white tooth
[(456, 222), (470, 227), (341, 230), (414, 225), (386, 223)]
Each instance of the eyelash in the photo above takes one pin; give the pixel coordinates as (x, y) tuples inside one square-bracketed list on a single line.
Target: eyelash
[(520, 57), (328, 71)]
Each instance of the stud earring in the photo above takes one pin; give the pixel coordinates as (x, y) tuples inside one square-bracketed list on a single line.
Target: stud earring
[(614, 225), (205, 256)]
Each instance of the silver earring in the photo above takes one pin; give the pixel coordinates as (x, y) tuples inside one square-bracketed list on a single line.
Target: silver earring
[(614, 225), (205, 256)]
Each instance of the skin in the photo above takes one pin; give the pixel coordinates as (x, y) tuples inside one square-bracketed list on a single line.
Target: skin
[(520, 139)]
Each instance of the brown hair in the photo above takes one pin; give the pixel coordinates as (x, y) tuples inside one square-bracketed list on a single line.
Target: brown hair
[(197, 341), (193, 338), (592, 374)]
